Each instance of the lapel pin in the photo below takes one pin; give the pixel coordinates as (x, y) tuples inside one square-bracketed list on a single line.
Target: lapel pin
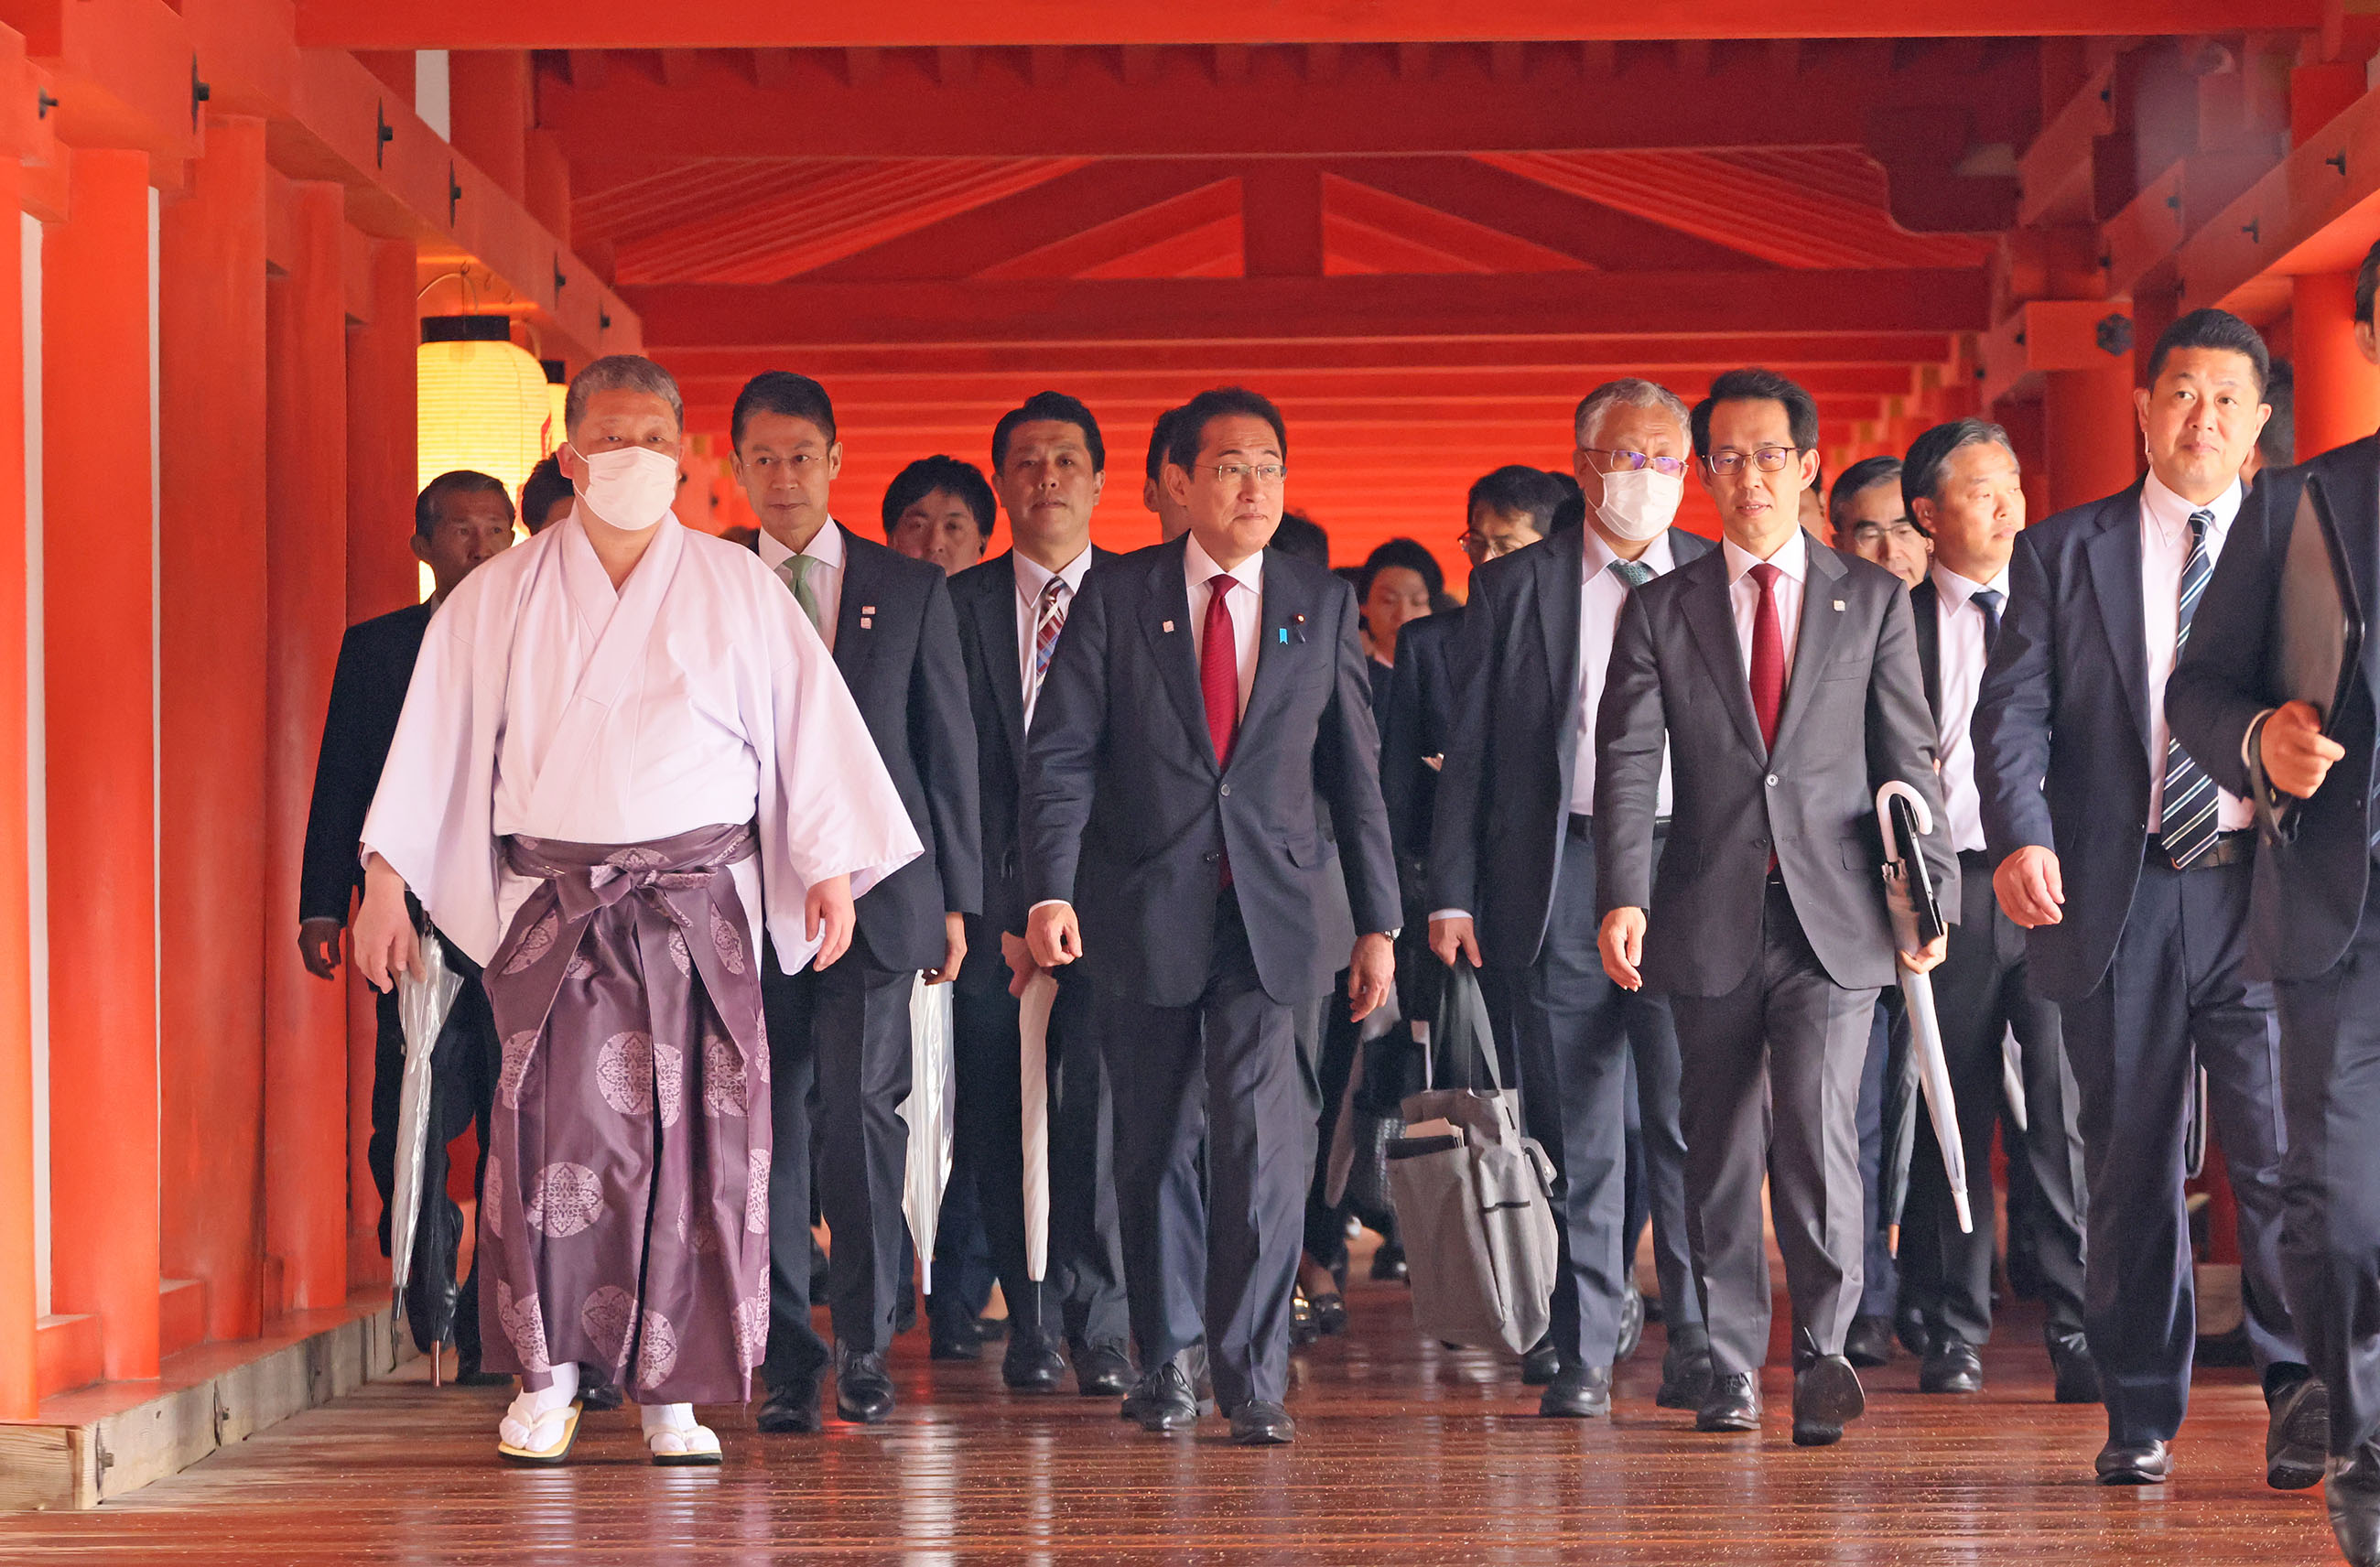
[(868, 608), (1284, 634), (1300, 621), (1838, 606), (1168, 625)]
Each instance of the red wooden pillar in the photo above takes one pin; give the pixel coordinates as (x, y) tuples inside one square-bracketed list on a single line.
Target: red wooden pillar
[(19, 1394), (101, 797), (305, 1053), (2091, 433), (211, 436), (2337, 393), (489, 112)]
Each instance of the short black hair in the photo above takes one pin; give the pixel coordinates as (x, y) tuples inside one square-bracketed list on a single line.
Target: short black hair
[(925, 475), (1410, 554), (2367, 283), (1921, 471), (781, 392), (1568, 481), (2211, 328), (1755, 386), (1514, 488), (1160, 439), (543, 486), (1220, 402), (1863, 475), (1301, 537), (1054, 405), (2279, 441), (460, 481)]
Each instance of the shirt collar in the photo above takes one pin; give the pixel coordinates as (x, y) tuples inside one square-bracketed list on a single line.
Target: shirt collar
[(1792, 558), (825, 547), (1200, 566), (2170, 514), (1032, 575), (1599, 555), (1956, 589)]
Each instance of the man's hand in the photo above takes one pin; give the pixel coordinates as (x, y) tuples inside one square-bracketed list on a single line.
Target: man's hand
[(953, 950), (1054, 936), (2030, 887), (1448, 937), (827, 919), (1623, 941), (2296, 754), (1925, 958), (385, 942), (317, 945), (1021, 966), (1371, 970)]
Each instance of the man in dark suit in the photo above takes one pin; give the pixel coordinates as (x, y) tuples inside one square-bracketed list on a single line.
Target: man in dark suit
[(2314, 922), (1512, 884), (2129, 868), (1782, 678), (459, 520), (1049, 464), (1962, 490), (888, 621), (1207, 696)]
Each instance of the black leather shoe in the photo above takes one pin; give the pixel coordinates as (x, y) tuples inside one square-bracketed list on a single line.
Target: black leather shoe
[(1826, 1397), (1162, 1401), (792, 1406), (1303, 1330), (1632, 1323), (2296, 1435), (1101, 1370), (1581, 1392), (1732, 1403), (2351, 1491), (863, 1388), (2076, 1375), (597, 1397), (1389, 1264), (1869, 1343), (1915, 1337), (957, 1348), (2134, 1464), (469, 1373), (1031, 1365), (1541, 1365), (1259, 1424), (1329, 1314), (990, 1330), (1953, 1367), (1685, 1378)]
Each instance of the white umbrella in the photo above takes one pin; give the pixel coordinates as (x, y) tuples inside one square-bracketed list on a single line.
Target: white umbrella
[(930, 1111), (1033, 1067), (1916, 919), (422, 1005), (2012, 1080)]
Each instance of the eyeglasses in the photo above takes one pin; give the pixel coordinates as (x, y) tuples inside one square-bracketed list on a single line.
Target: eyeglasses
[(1892, 528), (1231, 473), (1767, 460), (1481, 547), (1632, 462)]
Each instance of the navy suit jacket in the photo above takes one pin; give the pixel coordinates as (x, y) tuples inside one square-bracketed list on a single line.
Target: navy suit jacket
[(1127, 811), (2309, 893), (376, 658), (1417, 725)]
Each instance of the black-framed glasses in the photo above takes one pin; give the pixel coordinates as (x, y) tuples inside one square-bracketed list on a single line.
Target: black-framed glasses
[(1767, 460), (1633, 462), (1231, 473)]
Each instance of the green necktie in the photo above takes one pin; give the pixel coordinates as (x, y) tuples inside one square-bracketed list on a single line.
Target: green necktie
[(795, 570)]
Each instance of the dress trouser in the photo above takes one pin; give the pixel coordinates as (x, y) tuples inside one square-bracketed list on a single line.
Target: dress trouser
[(1774, 1067), (2176, 997), (2330, 1176), (1082, 1295), (1575, 1033), (847, 1028), (1216, 1258), (1879, 1272), (1982, 991)]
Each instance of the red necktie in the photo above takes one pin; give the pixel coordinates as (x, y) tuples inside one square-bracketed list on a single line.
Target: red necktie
[(1219, 678), (1768, 655)]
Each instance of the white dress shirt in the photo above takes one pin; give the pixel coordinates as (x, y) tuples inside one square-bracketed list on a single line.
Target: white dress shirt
[(825, 573), (1245, 603), (1031, 579), (2165, 544), (1601, 596), (1959, 620), (1791, 559)]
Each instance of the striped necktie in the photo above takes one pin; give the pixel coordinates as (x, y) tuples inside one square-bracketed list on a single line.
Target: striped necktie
[(1049, 619), (795, 572), (2188, 823)]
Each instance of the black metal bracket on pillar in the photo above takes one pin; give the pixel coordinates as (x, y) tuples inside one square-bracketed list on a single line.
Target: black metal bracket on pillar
[(453, 195), (43, 103), (383, 134), (199, 92), (559, 279)]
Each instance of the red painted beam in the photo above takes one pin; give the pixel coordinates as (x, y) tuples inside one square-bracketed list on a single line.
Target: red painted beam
[(1600, 236), (742, 24), (1521, 306), (1427, 386)]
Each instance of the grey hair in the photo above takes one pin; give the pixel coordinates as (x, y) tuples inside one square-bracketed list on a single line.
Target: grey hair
[(1628, 392), (621, 373)]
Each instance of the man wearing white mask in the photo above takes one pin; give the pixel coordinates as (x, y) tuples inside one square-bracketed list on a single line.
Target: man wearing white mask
[(1513, 881), (623, 755)]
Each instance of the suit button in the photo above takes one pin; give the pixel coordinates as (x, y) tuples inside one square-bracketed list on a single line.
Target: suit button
[(1210, 857), (1227, 791), (1760, 842), (1772, 780)]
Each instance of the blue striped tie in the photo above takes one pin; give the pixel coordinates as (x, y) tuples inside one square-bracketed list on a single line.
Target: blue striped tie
[(2188, 821)]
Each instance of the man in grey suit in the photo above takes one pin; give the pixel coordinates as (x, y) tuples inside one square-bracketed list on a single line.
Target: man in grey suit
[(1207, 697), (1514, 842), (1783, 678)]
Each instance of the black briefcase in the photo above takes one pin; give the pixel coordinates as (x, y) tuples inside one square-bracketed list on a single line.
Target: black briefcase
[(2317, 641)]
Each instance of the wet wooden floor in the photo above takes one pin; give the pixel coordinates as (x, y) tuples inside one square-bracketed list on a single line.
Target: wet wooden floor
[(1406, 1453)]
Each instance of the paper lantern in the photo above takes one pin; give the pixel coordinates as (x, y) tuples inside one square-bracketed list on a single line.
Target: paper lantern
[(557, 392), (483, 401)]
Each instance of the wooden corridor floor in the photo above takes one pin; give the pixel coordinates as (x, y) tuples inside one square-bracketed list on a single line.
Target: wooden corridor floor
[(1407, 1453)]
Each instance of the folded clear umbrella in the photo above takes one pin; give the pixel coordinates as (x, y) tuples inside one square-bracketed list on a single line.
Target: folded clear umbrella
[(1033, 1067), (1917, 920), (422, 1005), (930, 1112)]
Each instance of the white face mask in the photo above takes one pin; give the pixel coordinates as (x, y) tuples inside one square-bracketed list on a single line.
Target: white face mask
[(630, 488), (1637, 504)]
